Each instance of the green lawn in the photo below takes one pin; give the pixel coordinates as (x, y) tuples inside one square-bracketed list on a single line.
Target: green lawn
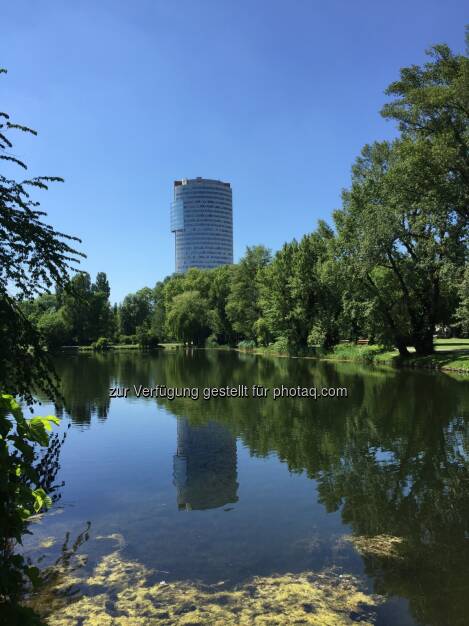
[(450, 354)]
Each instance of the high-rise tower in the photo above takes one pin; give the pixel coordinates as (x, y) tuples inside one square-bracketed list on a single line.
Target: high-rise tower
[(202, 223)]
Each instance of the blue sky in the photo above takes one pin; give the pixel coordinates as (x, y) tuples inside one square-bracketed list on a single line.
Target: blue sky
[(276, 97)]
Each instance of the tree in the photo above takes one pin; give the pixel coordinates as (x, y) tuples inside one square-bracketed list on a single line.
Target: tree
[(146, 338), (399, 231), (102, 317), (101, 285), (188, 318), (462, 311), (300, 292), (77, 308), (136, 309), (33, 257), (243, 307), (404, 224), (220, 280), (54, 328), (431, 103), (158, 319)]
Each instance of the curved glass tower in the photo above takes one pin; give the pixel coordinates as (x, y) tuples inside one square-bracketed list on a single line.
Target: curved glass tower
[(202, 223)]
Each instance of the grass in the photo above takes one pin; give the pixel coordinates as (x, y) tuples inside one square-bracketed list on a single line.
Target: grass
[(450, 354)]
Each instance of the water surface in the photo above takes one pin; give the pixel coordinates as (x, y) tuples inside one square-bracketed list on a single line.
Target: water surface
[(228, 489)]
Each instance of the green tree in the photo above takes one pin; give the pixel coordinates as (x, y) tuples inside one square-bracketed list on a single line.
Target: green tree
[(462, 311), (33, 257), (243, 303), (400, 233), (54, 328), (77, 308), (102, 317), (299, 290), (101, 285), (158, 318), (146, 337), (135, 310), (430, 102), (189, 318), (403, 228), (220, 280)]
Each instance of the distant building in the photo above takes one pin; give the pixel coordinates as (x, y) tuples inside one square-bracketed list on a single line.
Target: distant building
[(202, 223)]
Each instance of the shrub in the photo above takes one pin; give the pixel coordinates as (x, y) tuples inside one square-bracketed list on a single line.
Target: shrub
[(357, 353), (263, 334), (211, 342), (28, 467), (102, 344), (317, 336), (127, 339), (146, 339), (280, 346), (247, 344)]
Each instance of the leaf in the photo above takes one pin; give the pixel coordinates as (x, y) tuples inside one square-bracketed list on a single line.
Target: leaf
[(38, 427), (41, 500), (52, 418), (37, 431)]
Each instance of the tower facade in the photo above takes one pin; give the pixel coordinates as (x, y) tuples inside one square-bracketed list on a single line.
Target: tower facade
[(202, 223)]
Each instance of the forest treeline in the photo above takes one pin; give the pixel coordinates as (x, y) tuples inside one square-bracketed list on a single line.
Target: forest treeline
[(391, 267)]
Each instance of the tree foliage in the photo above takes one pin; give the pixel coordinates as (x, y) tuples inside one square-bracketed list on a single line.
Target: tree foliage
[(243, 302), (28, 466), (188, 318), (33, 258)]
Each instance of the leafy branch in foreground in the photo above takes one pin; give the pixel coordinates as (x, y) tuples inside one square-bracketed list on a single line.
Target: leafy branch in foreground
[(33, 258), (28, 466)]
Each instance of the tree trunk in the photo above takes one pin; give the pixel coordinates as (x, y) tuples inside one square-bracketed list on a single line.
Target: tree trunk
[(424, 344), (402, 347)]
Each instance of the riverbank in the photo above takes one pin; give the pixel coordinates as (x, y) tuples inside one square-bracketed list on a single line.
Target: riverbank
[(120, 346), (450, 355)]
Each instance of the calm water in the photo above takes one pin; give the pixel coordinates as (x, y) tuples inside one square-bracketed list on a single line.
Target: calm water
[(228, 489)]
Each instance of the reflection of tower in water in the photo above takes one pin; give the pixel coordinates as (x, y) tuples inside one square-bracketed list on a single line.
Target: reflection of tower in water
[(204, 466)]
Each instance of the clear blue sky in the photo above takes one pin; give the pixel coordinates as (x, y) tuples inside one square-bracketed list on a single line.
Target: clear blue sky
[(277, 97)]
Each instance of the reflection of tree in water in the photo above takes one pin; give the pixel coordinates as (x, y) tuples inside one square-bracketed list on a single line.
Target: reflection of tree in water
[(393, 456), (85, 382)]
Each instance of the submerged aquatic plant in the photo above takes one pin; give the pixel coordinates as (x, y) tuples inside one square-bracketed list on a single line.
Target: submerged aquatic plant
[(119, 593), (384, 546)]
